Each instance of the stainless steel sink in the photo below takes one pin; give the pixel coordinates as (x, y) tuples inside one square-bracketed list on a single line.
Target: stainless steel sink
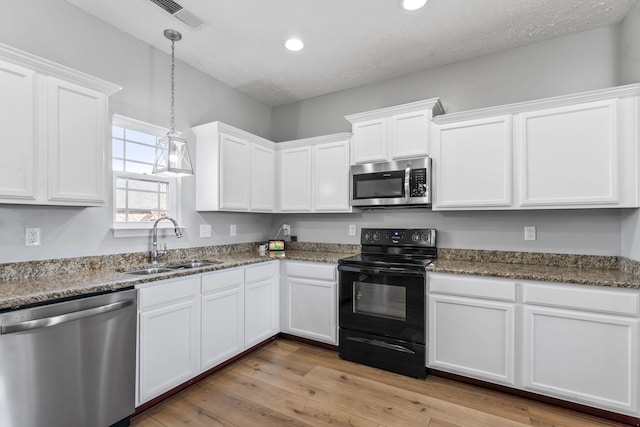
[(193, 264), (147, 271)]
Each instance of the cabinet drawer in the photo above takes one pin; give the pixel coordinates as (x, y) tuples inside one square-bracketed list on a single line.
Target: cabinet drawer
[(472, 286), (168, 292), (311, 270), (260, 272), (222, 279), (580, 297)]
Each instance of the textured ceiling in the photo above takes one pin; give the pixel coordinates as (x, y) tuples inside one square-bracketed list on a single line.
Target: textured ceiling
[(348, 43)]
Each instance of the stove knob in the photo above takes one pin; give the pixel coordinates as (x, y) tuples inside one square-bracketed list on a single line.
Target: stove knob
[(367, 236), (426, 237), (376, 236), (415, 237)]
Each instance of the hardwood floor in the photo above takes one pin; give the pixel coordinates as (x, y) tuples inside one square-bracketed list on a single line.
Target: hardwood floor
[(290, 383)]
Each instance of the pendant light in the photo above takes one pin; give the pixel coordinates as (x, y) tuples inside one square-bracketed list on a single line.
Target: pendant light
[(172, 153)]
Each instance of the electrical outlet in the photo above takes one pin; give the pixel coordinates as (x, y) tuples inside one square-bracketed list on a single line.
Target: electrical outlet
[(530, 232), (205, 230), (232, 230), (352, 229), (286, 229), (32, 237)]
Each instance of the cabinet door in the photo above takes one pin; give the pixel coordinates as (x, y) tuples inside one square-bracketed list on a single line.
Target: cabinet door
[(409, 134), (17, 152), (331, 176), (570, 155), (262, 178), (312, 309), (261, 302), (472, 164), (76, 134), (295, 179), (583, 357), (370, 141), (235, 173), (222, 316), (169, 336), (472, 337)]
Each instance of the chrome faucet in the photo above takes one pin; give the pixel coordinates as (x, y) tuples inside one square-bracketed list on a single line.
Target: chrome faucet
[(155, 253)]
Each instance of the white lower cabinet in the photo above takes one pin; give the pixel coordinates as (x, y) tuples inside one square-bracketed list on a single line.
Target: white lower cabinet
[(572, 342), (168, 335), (472, 327), (189, 325), (310, 301), (222, 316), (261, 303), (582, 344)]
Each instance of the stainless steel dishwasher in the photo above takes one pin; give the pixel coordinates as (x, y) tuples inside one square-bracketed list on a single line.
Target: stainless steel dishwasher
[(70, 363)]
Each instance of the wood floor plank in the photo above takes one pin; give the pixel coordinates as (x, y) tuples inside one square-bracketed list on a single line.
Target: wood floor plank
[(290, 404), (296, 384)]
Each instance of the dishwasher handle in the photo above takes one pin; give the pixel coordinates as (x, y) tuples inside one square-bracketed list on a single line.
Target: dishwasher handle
[(12, 328)]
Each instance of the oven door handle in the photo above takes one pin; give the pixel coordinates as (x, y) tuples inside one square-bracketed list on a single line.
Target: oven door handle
[(382, 344), (382, 270)]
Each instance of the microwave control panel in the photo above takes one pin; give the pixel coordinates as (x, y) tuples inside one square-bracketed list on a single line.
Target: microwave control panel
[(418, 183)]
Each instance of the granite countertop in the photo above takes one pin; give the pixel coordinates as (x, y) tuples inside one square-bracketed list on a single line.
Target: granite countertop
[(558, 268), (50, 287)]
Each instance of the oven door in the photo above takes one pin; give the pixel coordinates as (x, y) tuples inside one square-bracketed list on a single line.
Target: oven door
[(384, 302)]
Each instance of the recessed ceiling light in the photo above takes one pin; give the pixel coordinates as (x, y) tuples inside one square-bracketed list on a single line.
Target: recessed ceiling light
[(413, 4), (294, 45)]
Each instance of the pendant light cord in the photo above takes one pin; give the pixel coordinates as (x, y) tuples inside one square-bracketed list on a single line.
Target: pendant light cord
[(173, 108)]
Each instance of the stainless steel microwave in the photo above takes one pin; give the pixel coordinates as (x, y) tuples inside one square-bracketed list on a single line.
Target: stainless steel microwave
[(391, 184)]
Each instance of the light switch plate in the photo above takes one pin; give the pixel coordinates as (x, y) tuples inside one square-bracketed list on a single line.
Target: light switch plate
[(352, 229), (232, 230), (205, 230)]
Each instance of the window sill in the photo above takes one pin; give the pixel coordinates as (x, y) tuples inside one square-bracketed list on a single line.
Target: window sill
[(142, 230)]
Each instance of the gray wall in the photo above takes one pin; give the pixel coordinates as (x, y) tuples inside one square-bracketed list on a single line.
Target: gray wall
[(594, 59), (58, 31), (579, 62), (574, 63), (630, 73)]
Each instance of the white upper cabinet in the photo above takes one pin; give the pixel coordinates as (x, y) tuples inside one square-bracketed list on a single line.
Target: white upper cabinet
[(17, 149), (577, 151), (57, 124), (314, 174), (570, 155), (392, 133), (473, 166), (234, 170), (235, 180), (295, 179), (263, 160)]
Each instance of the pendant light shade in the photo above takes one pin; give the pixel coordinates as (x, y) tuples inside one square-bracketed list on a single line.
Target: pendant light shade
[(172, 152)]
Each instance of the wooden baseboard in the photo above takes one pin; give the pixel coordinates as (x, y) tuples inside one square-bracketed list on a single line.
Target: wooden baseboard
[(613, 416)]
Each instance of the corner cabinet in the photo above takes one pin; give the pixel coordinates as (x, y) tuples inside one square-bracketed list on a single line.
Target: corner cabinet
[(576, 151), (314, 174), (235, 170), (393, 133), (57, 122)]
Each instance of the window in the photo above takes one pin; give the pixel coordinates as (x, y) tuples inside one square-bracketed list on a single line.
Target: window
[(139, 197)]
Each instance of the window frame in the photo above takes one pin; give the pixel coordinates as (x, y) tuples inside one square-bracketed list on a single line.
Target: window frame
[(136, 229)]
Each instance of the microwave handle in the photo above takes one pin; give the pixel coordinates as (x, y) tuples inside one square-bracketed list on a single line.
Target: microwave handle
[(407, 184)]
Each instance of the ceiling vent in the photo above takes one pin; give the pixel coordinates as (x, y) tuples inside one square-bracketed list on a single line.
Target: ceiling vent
[(179, 12)]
